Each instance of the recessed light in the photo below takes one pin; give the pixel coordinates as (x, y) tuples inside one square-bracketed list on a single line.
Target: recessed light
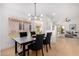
[(41, 15), (53, 14), (29, 14)]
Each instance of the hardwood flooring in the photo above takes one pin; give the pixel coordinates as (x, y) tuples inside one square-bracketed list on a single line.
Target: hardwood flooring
[(62, 47)]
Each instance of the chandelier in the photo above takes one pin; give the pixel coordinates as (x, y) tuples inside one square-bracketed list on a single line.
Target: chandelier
[(35, 17)]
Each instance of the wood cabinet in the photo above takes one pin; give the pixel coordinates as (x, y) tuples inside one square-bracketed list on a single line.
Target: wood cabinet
[(17, 25)]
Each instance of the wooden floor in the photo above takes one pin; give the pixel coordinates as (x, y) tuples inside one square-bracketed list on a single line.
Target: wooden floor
[(62, 47)]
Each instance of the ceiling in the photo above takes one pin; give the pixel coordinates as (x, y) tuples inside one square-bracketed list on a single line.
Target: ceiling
[(56, 11)]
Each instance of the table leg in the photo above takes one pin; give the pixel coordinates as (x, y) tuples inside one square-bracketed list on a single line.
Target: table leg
[(15, 48), (23, 49)]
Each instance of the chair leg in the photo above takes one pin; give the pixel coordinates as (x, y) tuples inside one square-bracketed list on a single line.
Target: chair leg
[(42, 52), (28, 52), (36, 52), (50, 45), (46, 48)]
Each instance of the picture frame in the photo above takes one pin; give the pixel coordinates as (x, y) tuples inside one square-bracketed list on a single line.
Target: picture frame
[(72, 27)]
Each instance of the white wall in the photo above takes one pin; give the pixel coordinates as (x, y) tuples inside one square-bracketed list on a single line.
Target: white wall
[(1, 22), (11, 10), (21, 10), (0, 33)]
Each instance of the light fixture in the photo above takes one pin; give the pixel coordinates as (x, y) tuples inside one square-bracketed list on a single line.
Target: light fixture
[(42, 15), (53, 14), (29, 15), (35, 17), (67, 19)]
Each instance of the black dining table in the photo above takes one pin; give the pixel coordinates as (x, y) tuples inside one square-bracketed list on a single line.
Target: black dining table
[(23, 42)]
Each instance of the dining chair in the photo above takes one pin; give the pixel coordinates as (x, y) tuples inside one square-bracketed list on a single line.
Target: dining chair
[(38, 44), (23, 34), (33, 34), (47, 40)]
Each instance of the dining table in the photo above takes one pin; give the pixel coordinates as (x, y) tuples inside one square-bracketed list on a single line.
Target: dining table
[(23, 41)]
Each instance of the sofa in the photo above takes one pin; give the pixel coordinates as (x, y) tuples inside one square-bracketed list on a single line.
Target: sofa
[(70, 34)]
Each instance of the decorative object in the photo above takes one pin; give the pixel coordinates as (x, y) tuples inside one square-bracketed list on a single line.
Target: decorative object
[(67, 19), (72, 27), (38, 27)]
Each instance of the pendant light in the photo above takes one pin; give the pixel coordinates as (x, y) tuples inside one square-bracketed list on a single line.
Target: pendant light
[(35, 17)]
